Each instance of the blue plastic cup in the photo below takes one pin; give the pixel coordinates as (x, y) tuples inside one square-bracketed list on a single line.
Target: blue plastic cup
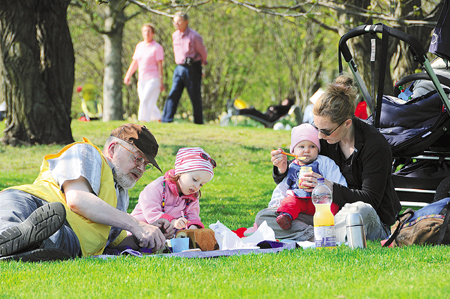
[(179, 244)]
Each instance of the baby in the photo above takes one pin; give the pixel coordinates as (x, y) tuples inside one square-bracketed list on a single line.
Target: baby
[(288, 196), (175, 196)]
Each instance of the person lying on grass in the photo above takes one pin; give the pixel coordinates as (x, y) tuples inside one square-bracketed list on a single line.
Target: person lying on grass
[(78, 204), (289, 195), (175, 196)]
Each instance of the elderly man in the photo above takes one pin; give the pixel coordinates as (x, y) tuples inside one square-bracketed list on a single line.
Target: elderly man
[(78, 204), (190, 55)]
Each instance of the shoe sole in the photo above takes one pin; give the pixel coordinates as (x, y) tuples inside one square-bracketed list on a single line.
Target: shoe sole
[(39, 255), (284, 223), (40, 225)]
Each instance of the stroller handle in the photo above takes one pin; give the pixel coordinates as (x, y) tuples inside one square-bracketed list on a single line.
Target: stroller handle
[(422, 76), (415, 46)]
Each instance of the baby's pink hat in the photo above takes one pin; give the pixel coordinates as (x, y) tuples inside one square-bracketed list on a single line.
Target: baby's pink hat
[(304, 132), (190, 159)]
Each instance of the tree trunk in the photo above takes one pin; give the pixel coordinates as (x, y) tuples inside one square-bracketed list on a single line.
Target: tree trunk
[(37, 71), (402, 61), (112, 81)]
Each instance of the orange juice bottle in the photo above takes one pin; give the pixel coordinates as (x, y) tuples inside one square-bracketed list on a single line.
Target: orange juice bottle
[(324, 231)]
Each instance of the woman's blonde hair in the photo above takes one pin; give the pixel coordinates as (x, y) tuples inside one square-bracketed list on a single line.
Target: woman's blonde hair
[(338, 101)]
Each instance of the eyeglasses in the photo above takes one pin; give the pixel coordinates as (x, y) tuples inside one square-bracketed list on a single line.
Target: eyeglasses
[(204, 157), (138, 160), (326, 132)]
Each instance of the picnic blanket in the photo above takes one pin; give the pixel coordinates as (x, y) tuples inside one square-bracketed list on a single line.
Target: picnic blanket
[(265, 246), (261, 241)]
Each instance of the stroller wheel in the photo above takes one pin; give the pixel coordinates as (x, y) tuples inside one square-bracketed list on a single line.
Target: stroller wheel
[(443, 190)]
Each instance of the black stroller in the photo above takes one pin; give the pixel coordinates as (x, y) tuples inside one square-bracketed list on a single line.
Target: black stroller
[(416, 126)]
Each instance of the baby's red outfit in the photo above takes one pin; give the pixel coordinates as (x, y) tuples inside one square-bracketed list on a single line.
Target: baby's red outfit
[(295, 205)]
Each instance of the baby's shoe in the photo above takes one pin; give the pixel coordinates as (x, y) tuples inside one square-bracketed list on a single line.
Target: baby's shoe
[(284, 221)]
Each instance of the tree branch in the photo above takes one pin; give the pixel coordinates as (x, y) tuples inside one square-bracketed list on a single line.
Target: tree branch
[(172, 5), (274, 10)]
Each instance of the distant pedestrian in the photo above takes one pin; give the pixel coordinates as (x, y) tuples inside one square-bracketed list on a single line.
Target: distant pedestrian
[(190, 55), (148, 57)]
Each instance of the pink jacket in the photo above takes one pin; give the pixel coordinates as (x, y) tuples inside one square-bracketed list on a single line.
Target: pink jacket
[(147, 56), (149, 206)]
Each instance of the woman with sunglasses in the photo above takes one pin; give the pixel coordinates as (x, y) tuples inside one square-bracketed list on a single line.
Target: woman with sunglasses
[(175, 196), (364, 158)]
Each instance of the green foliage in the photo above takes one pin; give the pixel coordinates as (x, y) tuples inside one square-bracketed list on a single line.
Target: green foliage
[(243, 57), (242, 185)]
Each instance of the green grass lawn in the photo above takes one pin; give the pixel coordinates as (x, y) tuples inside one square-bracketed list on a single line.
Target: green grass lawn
[(242, 186)]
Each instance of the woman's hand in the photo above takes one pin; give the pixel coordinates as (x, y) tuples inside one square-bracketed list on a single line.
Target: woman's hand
[(279, 160), (309, 180)]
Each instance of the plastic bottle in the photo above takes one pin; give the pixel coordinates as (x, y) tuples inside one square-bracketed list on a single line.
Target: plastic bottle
[(324, 231)]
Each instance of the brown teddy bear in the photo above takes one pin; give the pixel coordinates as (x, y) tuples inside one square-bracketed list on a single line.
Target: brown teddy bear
[(200, 238)]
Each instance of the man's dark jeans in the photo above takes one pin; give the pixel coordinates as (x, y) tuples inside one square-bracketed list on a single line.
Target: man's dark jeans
[(191, 78)]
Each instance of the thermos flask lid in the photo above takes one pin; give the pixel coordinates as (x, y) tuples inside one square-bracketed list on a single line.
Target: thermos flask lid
[(353, 219)]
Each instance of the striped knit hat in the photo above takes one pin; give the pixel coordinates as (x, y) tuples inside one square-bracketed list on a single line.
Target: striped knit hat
[(193, 159)]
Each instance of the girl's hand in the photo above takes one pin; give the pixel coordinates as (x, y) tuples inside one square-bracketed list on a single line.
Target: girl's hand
[(279, 160), (180, 223), (193, 226)]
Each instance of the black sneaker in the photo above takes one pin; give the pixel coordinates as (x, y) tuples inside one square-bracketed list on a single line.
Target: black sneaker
[(39, 255), (40, 225)]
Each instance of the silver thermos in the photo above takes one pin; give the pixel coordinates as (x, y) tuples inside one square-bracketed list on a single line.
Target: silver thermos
[(356, 236)]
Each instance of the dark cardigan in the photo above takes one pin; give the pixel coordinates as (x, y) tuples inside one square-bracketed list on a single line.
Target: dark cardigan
[(368, 172)]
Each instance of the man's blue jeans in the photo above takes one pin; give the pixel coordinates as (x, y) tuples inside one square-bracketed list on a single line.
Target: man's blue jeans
[(16, 206), (191, 78)]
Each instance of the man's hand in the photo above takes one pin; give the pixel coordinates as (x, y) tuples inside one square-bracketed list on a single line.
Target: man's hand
[(279, 160), (166, 227), (150, 236)]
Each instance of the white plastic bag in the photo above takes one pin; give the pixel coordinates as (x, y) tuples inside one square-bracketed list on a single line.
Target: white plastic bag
[(229, 240)]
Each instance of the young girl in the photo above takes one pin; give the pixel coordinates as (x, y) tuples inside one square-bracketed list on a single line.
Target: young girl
[(292, 199), (175, 195)]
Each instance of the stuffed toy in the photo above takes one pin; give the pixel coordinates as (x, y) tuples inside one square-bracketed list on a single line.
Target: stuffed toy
[(199, 238)]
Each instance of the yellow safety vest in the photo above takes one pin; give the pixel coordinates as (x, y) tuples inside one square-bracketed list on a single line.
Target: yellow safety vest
[(92, 236)]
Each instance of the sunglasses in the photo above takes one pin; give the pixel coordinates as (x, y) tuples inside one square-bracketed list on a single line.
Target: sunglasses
[(138, 160), (326, 132), (204, 157)]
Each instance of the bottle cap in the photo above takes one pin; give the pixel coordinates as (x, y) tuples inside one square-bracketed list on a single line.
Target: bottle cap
[(353, 219), (320, 180)]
